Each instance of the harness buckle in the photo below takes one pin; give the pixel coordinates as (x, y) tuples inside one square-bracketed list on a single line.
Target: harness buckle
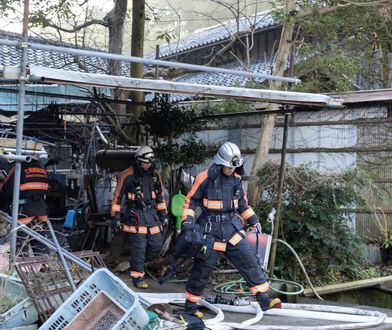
[(208, 227)]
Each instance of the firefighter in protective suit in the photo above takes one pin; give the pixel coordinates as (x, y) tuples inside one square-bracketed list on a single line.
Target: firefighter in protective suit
[(145, 212), (33, 212), (219, 193)]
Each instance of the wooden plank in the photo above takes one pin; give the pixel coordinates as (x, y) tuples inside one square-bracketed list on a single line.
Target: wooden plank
[(367, 96), (347, 286), (26, 144)]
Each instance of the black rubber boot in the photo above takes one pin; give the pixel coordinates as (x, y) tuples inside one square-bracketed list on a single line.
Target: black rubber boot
[(140, 283), (191, 309), (266, 302)]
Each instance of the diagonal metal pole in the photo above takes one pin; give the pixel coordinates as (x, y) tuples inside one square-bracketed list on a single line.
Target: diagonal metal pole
[(47, 242), (19, 129), (135, 59), (61, 255)]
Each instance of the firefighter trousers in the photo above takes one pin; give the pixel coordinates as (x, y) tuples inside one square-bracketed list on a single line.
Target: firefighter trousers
[(145, 239), (226, 239)]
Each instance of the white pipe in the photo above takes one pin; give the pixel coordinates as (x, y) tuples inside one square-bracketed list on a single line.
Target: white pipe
[(27, 151), (20, 158)]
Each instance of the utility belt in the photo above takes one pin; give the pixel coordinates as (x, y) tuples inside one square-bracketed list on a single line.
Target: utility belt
[(31, 199), (217, 217)]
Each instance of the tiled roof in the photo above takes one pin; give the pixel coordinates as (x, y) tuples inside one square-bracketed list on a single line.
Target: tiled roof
[(220, 79), (11, 56), (214, 34)]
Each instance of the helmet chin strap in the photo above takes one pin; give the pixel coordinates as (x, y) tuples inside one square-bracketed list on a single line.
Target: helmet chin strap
[(139, 165)]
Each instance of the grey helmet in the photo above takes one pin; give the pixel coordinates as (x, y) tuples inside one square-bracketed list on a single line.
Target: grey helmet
[(144, 154), (228, 155)]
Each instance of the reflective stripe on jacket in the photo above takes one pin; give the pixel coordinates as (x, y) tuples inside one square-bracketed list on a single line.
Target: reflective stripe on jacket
[(216, 192)]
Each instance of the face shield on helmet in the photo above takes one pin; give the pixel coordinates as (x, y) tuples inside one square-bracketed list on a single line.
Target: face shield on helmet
[(228, 155), (145, 154)]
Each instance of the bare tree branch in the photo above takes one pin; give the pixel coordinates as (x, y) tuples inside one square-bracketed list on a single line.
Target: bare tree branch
[(80, 27)]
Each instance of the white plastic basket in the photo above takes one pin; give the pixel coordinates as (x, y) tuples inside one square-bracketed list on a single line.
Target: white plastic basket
[(101, 280), (24, 312)]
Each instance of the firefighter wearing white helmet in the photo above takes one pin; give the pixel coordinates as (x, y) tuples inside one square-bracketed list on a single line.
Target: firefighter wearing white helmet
[(228, 155), (145, 212), (219, 192), (144, 155)]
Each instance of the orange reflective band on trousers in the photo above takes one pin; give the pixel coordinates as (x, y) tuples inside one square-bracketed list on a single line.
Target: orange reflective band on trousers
[(141, 229), (192, 297), (259, 288), (154, 230), (136, 275)]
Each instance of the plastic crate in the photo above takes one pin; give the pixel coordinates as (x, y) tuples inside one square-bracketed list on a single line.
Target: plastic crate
[(101, 313), (101, 280), (24, 312)]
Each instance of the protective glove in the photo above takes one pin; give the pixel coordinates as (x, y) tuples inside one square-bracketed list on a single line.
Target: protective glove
[(116, 222)]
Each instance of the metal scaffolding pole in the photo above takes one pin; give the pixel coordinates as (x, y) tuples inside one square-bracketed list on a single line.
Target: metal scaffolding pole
[(19, 129), (135, 59), (279, 196)]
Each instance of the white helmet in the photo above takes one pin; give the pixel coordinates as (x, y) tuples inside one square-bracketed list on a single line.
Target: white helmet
[(144, 154), (228, 155)]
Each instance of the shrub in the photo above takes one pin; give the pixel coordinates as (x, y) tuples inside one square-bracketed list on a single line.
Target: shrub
[(315, 219)]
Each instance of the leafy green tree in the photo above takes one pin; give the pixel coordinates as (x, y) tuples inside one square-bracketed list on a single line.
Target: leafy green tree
[(338, 40), (174, 133)]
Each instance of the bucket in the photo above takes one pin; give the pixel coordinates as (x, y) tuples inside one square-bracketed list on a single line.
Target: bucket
[(261, 245)]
